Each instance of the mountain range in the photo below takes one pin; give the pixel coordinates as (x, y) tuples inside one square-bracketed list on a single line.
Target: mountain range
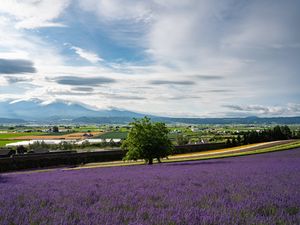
[(21, 112), (35, 110)]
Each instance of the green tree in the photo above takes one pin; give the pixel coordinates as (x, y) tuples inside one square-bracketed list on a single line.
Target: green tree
[(55, 129), (147, 140), (181, 139), (277, 133), (228, 143), (239, 140), (21, 149), (233, 142), (287, 133)]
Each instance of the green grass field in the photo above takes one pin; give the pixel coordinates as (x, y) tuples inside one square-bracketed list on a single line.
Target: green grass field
[(4, 137), (86, 128), (58, 133), (4, 142), (14, 135), (113, 134), (279, 147)]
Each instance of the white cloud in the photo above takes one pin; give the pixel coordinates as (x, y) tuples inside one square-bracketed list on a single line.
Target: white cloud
[(3, 81), (31, 14), (19, 44), (179, 38), (119, 9), (87, 55), (265, 25), (290, 109)]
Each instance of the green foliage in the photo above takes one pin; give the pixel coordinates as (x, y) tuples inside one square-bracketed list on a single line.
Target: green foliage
[(147, 140), (4, 142), (234, 142), (65, 146), (182, 139), (239, 140), (21, 149), (228, 143), (37, 146), (114, 135), (55, 129), (277, 133)]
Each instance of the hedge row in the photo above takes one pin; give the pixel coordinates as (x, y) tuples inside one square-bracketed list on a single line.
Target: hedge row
[(198, 147), (34, 161), (68, 158)]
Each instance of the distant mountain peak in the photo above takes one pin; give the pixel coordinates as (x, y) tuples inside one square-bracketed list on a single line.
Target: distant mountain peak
[(34, 109)]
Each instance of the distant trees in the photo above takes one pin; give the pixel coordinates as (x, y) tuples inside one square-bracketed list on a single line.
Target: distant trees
[(181, 139), (286, 132), (251, 137), (55, 129), (147, 140), (21, 149), (296, 134), (38, 146), (277, 133)]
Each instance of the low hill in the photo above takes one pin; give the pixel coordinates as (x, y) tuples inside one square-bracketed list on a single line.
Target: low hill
[(11, 121), (247, 120)]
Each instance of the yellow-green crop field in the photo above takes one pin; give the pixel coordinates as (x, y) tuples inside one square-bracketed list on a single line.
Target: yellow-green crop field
[(4, 142), (5, 137), (15, 135)]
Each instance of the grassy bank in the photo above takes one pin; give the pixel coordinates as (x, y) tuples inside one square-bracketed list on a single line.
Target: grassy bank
[(279, 147)]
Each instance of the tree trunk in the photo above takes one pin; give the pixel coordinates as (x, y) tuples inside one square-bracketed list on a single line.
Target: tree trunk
[(158, 159), (150, 161)]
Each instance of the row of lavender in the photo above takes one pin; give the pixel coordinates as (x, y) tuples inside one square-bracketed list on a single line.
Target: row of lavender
[(260, 189)]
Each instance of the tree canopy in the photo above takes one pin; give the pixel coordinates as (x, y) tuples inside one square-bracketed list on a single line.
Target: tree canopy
[(181, 139), (147, 140)]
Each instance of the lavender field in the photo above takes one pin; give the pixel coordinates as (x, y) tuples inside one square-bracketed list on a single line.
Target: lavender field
[(257, 189)]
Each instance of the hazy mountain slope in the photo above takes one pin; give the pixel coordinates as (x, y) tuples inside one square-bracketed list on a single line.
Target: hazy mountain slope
[(34, 110), (58, 112)]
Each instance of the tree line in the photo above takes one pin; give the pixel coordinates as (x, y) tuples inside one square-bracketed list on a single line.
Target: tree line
[(251, 137), (63, 146)]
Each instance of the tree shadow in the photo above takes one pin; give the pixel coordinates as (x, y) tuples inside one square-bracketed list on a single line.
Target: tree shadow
[(193, 163), (3, 179)]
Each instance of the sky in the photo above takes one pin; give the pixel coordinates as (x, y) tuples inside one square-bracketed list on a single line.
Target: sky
[(192, 58)]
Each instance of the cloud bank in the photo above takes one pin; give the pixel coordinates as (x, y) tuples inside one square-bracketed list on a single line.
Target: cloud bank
[(81, 81), (167, 57), (16, 66), (290, 109)]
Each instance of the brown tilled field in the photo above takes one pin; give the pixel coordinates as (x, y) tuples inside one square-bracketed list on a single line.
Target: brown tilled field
[(73, 136)]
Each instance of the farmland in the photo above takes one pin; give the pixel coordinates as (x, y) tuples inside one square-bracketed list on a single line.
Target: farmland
[(190, 134), (193, 133), (7, 138), (67, 136), (12, 137), (258, 189), (4, 142), (116, 134)]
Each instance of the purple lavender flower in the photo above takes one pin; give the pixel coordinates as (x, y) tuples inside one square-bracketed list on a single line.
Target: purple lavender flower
[(258, 189)]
